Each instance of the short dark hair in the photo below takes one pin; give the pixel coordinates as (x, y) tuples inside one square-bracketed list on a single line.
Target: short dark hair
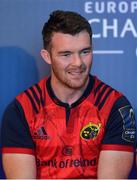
[(67, 22)]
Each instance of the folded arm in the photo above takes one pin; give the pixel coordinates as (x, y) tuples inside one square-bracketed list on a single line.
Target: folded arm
[(115, 164), (19, 166)]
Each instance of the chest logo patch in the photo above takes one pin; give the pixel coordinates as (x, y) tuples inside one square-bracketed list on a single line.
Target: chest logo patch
[(90, 131)]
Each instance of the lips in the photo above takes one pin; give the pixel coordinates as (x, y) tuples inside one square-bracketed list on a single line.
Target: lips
[(75, 72)]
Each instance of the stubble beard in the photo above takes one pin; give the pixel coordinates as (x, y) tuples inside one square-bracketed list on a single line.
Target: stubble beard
[(76, 85), (71, 83)]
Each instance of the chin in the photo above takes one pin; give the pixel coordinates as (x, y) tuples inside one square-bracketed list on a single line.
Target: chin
[(76, 84)]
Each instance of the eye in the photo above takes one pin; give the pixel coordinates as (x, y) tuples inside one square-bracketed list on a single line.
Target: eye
[(66, 54), (85, 52)]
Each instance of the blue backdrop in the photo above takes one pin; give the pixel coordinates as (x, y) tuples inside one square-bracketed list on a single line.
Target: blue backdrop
[(114, 26)]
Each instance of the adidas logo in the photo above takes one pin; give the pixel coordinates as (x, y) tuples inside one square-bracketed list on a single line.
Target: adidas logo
[(41, 134)]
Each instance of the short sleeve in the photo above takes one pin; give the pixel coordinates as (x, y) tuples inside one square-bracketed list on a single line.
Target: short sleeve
[(15, 134), (120, 130)]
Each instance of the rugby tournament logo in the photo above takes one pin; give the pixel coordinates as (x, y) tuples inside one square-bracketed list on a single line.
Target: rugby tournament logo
[(129, 125), (90, 131)]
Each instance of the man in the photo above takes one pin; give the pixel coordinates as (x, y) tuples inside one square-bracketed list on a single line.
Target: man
[(71, 124)]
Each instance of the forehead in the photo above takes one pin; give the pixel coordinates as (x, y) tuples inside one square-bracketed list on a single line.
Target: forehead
[(66, 41)]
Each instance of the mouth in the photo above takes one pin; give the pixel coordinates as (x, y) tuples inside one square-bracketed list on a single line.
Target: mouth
[(76, 74)]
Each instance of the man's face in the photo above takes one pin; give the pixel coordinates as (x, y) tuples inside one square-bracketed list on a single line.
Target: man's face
[(71, 59)]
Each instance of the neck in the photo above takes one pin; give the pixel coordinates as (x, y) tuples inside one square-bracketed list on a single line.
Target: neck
[(66, 94)]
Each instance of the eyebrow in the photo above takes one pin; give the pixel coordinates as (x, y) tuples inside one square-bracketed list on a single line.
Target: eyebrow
[(64, 52)]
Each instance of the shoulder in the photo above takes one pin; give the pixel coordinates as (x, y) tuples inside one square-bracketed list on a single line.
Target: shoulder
[(33, 98), (105, 96), (100, 85)]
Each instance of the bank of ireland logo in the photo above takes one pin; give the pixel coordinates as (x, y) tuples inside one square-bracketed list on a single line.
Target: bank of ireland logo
[(90, 131)]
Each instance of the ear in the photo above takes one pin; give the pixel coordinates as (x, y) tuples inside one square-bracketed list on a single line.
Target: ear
[(46, 56)]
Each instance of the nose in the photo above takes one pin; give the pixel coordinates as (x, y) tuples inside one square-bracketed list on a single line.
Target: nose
[(77, 60)]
